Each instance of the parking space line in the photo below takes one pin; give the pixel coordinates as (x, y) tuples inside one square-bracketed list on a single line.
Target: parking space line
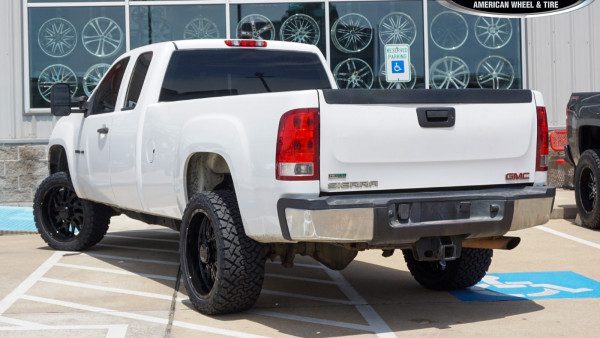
[(116, 271), (304, 279), (132, 259), (136, 316), (570, 237), (106, 288), (113, 331), (20, 290), (379, 326), (312, 320), (295, 295), (144, 238), (19, 322), (136, 248)]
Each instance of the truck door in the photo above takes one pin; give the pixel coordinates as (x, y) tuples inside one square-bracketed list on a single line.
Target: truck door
[(126, 150), (93, 151)]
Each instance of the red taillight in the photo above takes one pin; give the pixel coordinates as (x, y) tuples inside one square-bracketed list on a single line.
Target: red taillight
[(297, 155), (246, 43), (541, 159)]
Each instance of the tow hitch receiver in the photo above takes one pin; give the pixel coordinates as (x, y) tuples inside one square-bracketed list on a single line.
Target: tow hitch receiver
[(445, 248)]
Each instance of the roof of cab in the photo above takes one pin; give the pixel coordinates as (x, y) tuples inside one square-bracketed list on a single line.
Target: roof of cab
[(220, 43)]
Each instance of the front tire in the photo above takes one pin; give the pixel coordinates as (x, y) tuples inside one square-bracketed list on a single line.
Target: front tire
[(463, 272), (65, 221), (587, 186), (223, 269)]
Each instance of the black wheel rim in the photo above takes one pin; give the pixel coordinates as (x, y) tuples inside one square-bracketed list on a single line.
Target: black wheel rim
[(201, 253), (587, 189), (62, 213)]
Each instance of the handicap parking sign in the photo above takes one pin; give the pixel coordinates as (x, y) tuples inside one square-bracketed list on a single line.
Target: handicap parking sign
[(531, 286), (397, 63), (398, 67)]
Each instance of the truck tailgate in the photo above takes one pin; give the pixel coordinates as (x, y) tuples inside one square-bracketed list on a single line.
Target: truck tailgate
[(375, 141)]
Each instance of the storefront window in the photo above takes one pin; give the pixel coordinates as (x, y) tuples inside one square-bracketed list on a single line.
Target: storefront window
[(359, 33), (74, 45), (468, 51), (77, 44), (152, 24), (294, 21)]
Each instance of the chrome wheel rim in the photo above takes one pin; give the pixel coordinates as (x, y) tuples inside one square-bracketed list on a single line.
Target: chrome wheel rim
[(351, 33), (449, 30), (397, 28), (57, 37), (201, 28), (53, 74), (92, 77), (495, 72), (102, 37), (493, 33), (449, 72), (353, 73), (300, 28), (256, 27)]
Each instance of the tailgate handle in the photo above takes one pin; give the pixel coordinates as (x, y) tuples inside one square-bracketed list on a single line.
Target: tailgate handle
[(436, 117)]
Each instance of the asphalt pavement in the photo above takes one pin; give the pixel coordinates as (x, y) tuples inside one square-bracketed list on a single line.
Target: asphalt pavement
[(127, 286)]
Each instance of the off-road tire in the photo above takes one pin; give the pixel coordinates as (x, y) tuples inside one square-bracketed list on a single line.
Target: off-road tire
[(463, 272), (96, 217), (240, 261), (588, 163)]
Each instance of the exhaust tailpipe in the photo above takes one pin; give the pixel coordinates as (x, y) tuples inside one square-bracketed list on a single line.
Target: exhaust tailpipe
[(500, 242)]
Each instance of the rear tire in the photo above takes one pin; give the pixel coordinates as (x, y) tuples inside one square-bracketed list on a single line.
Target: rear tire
[(223, 269), (587, 186), (463, 272), (65, 221)]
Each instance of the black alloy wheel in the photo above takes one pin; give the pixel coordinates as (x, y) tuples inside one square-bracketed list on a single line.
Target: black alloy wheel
[(62, 213), (202, 254), (587, 187), (65, 221)]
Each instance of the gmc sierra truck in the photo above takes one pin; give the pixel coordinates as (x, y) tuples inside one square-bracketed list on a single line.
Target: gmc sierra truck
[(583, 151), (249, 150)]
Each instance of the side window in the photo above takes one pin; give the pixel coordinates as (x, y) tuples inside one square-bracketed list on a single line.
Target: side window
[(105, 96), (137, 80)]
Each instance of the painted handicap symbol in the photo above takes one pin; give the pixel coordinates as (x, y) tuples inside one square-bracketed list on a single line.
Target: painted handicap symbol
[(398, 67), (547, 289), (531, 286)]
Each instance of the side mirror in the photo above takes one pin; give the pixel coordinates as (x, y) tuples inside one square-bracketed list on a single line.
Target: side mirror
[(60, 99)]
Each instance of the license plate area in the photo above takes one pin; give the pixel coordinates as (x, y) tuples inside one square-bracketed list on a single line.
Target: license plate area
[(405, 213)]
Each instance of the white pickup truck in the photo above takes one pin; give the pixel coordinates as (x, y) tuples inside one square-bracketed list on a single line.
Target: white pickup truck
[(249, 149)]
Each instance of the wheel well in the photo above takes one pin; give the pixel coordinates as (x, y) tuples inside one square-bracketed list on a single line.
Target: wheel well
[(57, 160), (589, 138), (207, 172)]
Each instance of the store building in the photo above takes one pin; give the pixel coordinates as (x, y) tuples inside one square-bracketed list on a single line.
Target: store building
[(75, 41)]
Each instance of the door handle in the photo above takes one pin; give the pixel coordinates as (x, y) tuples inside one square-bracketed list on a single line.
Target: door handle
[(103, 130), (436, 117)]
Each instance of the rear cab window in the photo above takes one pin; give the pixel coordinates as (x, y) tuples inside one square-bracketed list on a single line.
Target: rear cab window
[(203, 73)]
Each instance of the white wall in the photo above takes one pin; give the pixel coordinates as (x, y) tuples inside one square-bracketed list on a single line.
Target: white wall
[(563, 56)]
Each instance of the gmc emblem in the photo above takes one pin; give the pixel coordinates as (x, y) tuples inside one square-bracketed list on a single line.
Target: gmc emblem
[(516, 176)]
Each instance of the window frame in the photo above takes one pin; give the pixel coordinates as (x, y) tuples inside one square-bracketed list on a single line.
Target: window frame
[(127, 4), (92, 100), (125, 99)]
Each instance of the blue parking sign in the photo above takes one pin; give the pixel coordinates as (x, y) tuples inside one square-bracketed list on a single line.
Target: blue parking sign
[(530, 286), (398, 66)]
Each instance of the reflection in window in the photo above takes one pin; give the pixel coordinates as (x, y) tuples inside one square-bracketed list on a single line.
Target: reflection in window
[(152, 24), (468, 51), (359, 33)]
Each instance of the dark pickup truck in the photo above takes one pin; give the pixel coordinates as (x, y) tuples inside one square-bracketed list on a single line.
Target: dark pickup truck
[(583, 151)]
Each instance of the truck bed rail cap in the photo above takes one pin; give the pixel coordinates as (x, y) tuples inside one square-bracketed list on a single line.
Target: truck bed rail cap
[(435, 96)]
